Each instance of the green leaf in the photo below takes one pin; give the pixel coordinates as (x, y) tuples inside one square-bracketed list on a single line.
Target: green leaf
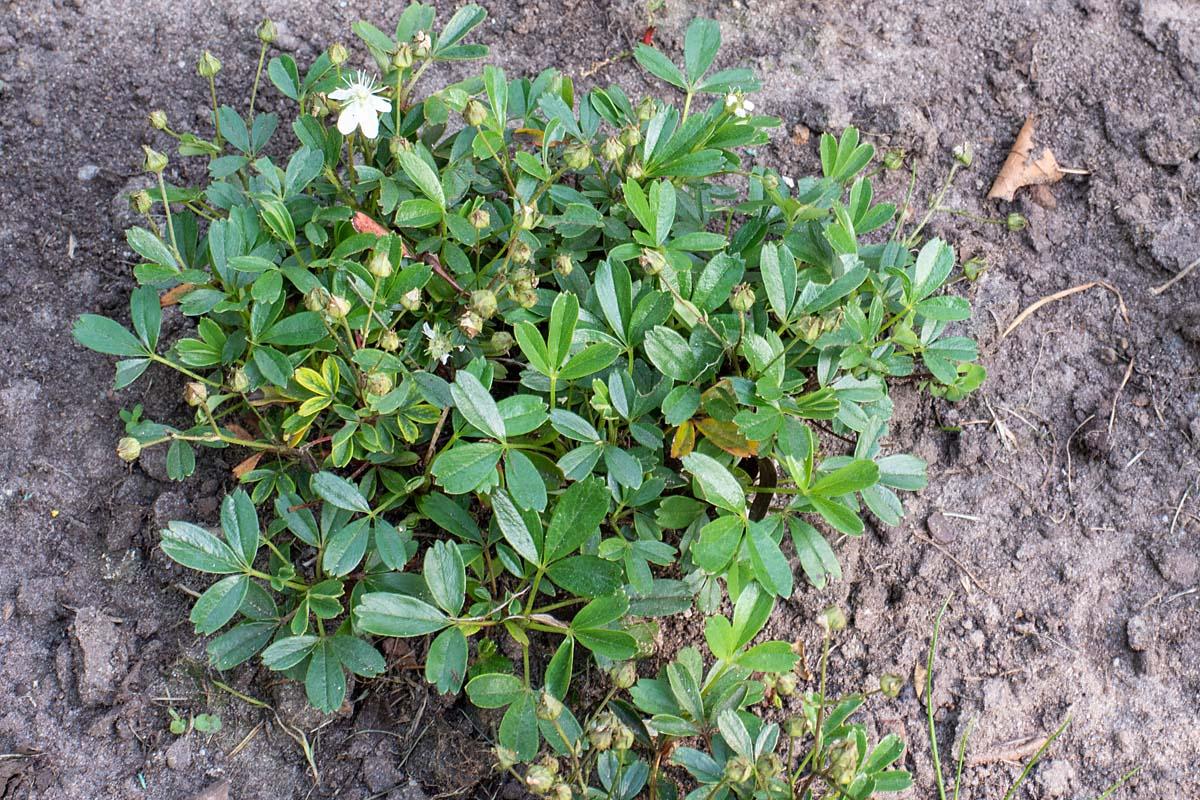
[(564, 314), (533, 346), (449, 516), (577, 515), (150, 247), (181, 460), (423, 176), (769, 657), (771, 568), (654, 62), (680, 404), (106, 336), (616, 645), (513, 528), (622, 466), (358, 656), (718, 542), (560, 669), (750, 613), (239, 520), (146, 312), (519, 727), (716, 482), (446, 662), (700, 46), (387, 614), (779, 279), (325, 682), (525, 483), (219, 603), (671, 354), (289, 651), (816, 557), (475, 403), (240, 643), (196, 548), (340, 492), (716, 281), (296, 330), (465, 20), (346, 547), (273, 365), (590, 360), (586, 576), (855, 476), (686, 690), (464, 467), (495, 689), (445, 575), (838, 515)]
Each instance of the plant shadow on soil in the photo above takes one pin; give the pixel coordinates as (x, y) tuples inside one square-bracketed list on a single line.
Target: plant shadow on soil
[(1062, 511)]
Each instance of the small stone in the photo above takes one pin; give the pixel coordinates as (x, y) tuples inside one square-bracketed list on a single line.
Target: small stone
[(285, 39), (217, 791), (1139, 632), (87, 172), (179, 754), (101, 658), (939, 527), (1056, 777)]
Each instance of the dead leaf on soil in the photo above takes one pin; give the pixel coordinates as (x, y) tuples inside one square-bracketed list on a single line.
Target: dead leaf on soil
[(175, 294), (247, 465), (1022, 169)]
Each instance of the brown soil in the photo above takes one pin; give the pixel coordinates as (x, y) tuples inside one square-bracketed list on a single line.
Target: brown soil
[(1062, 514)]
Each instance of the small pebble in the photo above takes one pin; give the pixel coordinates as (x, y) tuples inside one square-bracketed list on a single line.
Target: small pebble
[(88, 172)]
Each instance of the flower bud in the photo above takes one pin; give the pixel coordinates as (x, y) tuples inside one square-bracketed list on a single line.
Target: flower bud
[(600, 731), (635, 170), (742, 300), (561, 791), (470, 323), (523, 278), (141, 201), (1016, 222), (411, 300), (128, 449), (577, 156), (631, 136), (612, 149), (974, 267), (316, 298), (893, 159), (378, 384), (843, 762), (403, 57), (337, 307), (832, 619), (266, 31), (155, 161), (505, 758), (549, 707), (499, 344), (479, 218), (538, 779), (652, 261), (645, 109), (624, 675), (521, 252), (338, 54), (398, 145), (389, 341), (890, 684), (422, 47), (770, 181), (195, 393), (768, 765), (738, 769), (158, 119), (380, 265), (208, 66), (527, 217), (622, 737), (964, 154), (527, 298), (238, 380), (483, 303), (563, 264), (796, 727), (474, 113)]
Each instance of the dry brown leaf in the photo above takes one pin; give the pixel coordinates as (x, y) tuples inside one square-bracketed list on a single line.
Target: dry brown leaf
[(247, 465), (1022, 169), (174, 295)]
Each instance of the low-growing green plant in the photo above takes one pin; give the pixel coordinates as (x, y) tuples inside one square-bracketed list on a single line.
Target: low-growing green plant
[(202, 723), (529, 377)]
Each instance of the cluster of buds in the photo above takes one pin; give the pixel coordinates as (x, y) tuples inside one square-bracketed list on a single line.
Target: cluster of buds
[(739, 770), (411, 300), (779, 687), (843, 762), (380, 265), (577, 156), (474, 113), (403, 57), (737, 104), (542, 779), (652, 261), (421, 45), (522, 286)]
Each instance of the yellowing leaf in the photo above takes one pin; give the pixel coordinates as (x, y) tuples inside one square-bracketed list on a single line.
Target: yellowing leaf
[(726, 436), (684, 441)]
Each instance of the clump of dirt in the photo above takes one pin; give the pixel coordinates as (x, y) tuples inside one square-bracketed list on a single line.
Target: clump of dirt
[(1062, 514)]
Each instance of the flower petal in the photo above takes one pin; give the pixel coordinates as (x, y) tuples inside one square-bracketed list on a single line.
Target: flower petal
[(347, 120), (368, 121)]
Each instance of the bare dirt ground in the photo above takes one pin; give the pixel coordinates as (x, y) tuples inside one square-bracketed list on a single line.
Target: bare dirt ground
[(1062, 514)]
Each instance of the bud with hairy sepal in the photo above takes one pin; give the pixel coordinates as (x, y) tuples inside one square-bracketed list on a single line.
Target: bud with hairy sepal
[(266, 32), (389, 341), (742, 300), (612, 149), (890, 684), (158, 119), (652, 261), (538, 779), (832, 619), (208, 65), (843, 762), (470, 323), (338, 54), (155, 161), (380, 265), (483, 303), (128, 449), (500, 343), (239, 381), (738, 770), (141, 201), (378, 384), (422, 46), (474, 113), (563, 264), (577, 156), (337, 307), (549, 707), (195, 393), (480, 219), (411, 300)]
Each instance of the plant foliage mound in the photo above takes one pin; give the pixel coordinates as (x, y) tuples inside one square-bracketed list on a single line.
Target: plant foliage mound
[(521, 370)]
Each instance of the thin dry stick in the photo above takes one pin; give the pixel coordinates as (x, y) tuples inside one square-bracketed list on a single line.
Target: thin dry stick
[(1112, 417), (1176, 278), (1024, 315), (957, 563)]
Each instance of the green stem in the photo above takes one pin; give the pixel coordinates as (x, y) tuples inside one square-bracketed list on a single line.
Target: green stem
[(212, 90), (262, 55), (162, 190)]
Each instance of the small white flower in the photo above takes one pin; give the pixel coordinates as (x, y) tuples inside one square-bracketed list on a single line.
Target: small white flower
[(737, 104), (361, 105), (439, 346)]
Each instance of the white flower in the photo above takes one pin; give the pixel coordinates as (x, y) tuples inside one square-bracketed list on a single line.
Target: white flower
[(439, 346), (737, 104), (361, 105)]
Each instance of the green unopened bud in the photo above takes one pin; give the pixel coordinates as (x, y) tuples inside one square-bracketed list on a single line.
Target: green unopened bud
[(141, 201), (1016, 222), (315, 299), (238, 380), (652, 261), (505, 758), (964, 154), (422, 46), (890, 684), (893, 159), (645, 109), (600, 731), (577, 156), (380, 265), (411, 300), (549, 707), (266, 31), (398, 145), (474, 113), (622, 737), (538, 779), (337, 307), (770, 181), (563, 264), (377, 383), (527, 217), (785, 685), (796, 727), (403, 57), (739, 769), (527, 298), (624, 675), (521, 252), (742, 300), (158, 119), (612, 149), (499, 344), (974, 267), (561, 791), (470, 323), (208, 65), (635, 170), (389, 341), (843, 762), (631, 136), (483, 303), (832, 619), (338, 54), (195, 393), (128, 449), (523, 278), (480, 219), (155, 161), (768, 765)]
